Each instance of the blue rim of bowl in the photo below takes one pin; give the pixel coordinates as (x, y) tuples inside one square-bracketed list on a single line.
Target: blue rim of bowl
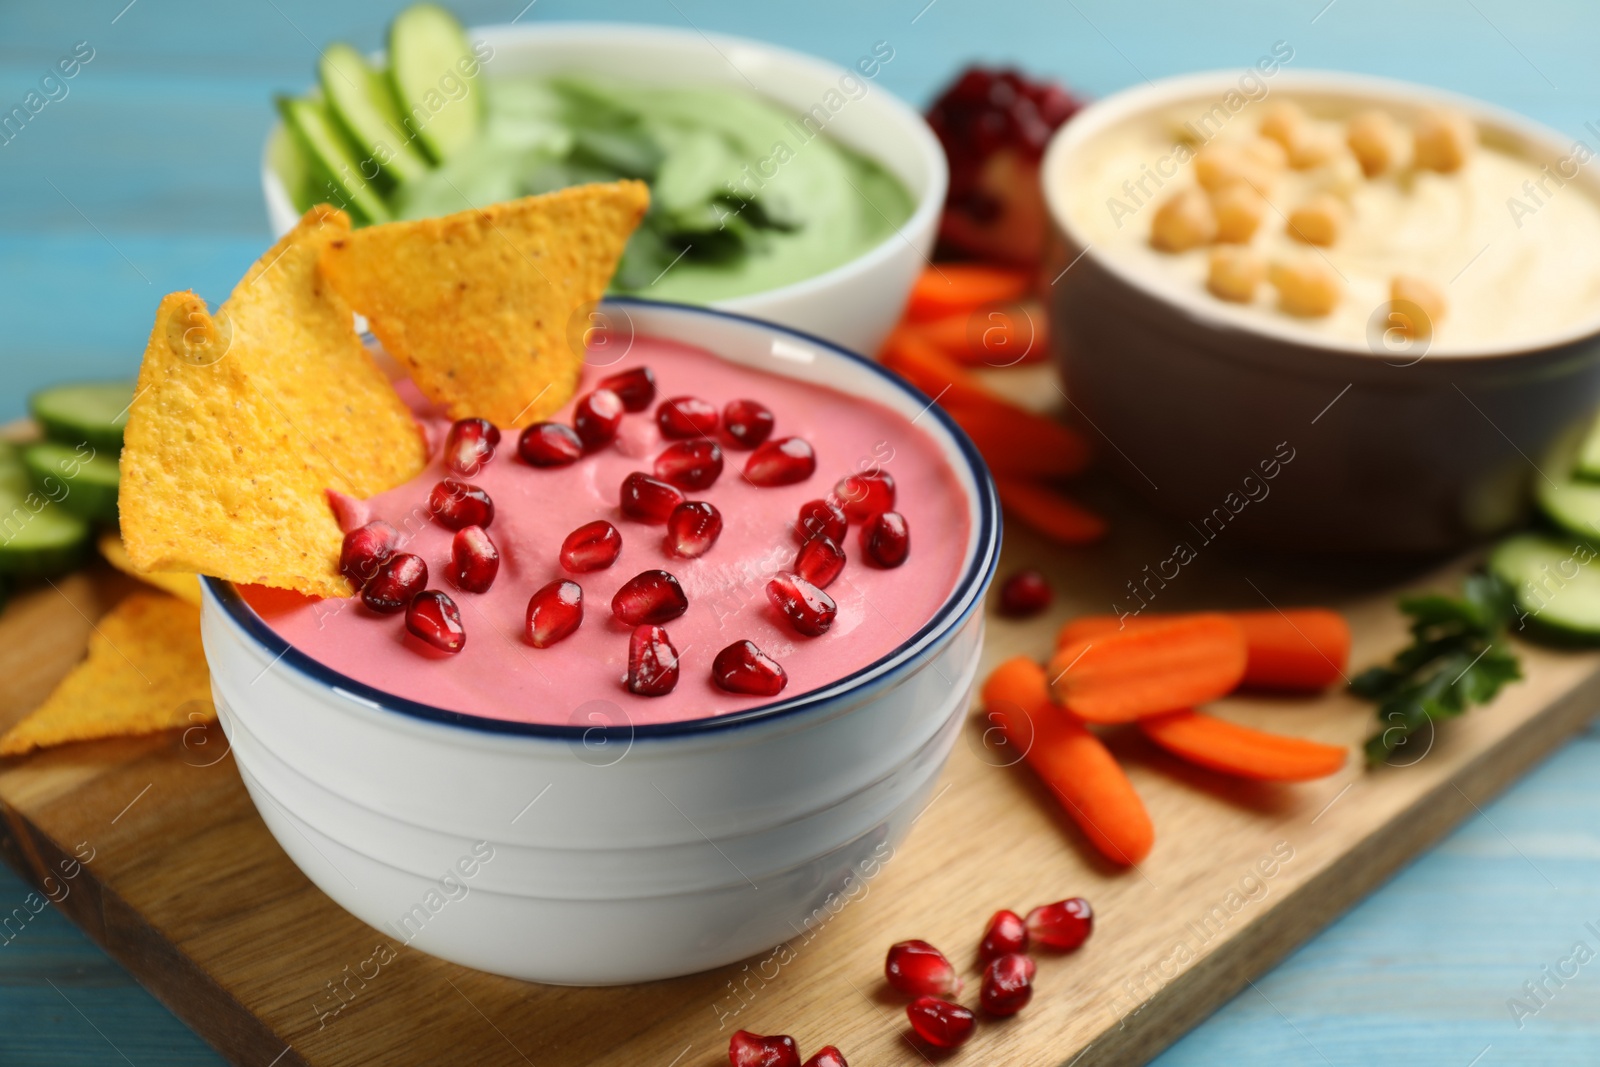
[(969, 589)]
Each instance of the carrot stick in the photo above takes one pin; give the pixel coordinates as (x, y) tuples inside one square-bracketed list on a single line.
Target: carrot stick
[(1233, 749), (1016, 441), (1073, 762), (909, 354), (948, 288), (996, 337), (1300, 650), (1147, 670), (1051, 513)]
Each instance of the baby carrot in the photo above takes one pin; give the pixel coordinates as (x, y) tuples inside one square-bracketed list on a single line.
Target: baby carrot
[(909, 355), (995, 337), (1150, 669), (1072, 761), (948, 288), (1238, 750), (1016, 441), (1051, 513)]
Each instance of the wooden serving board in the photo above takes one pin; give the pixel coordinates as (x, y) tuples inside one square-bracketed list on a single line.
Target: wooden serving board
[(188, 890)]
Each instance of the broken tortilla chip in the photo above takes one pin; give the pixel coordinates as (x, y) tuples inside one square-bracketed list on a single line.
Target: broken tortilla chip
[(145, 672), (185, 587), (478, 306), (243, 419)]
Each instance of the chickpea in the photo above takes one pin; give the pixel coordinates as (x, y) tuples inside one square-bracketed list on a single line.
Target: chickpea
[(1283, 121), (1236, 273), (1239, 210), (1217, 166), (1312, 146), (1416, 304), (1266, 152), (1306, 287), (1185, 221), (1319, 220), (1444, 139), (1374, 137)]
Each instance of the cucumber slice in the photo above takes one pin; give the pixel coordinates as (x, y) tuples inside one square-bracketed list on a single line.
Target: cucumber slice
[(94, 412), (363, 101), (335, 162), (428, 53), (36, 536), (1587, 464), (89, 479), (1556, 581)]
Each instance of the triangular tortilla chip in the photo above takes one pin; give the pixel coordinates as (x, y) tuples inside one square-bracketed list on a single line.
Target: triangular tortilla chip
[(185, 587), (242, 420), (145, 672), (479, 306)]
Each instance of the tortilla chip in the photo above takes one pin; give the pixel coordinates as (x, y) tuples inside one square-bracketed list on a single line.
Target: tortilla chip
[(477, 306), (242, 420), (145, 672), (185, 587)]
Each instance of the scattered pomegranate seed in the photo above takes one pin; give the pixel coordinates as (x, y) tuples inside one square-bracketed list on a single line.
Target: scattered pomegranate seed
[(1064, 924), (1007, 984), (809, 610), (865, 495), (591, 547), (653, 668), (549, 444), (1005, 933), (746, 423), (364, 548), (886, 540), (918, 969), (434, 617), (686, 416), (692, 528), (648, 499), (693, 464), (752, 1050), (649, 596), (457, 504), (1025, 593), (820, 518), (819, 561), (596, 417), (939, 1022), (782, 462), (554, 612), (399, 578), (635, 387), (827, 1056), (470, 444), (744, 668), (474, 561)]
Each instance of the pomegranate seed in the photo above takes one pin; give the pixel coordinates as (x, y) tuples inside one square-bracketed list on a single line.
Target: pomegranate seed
[(474, 561), (686, 416), (809, 610), (593, 546), (635, 387), (918, 969), (747, 423), (364, 548), (470, 444), (554, 612), (648, 499), (744, 668), (939, 1022), (782, 462), (457, 504), (399, 578), (653, 667), (549, 444), (820, 518), (692, 529), (1023, 594), (434, 617), (886, 540), (827, 1056), (819, 561), (1005, 933), (865, 495), (690, 464), (596, 418), (1066, 924), (649, 596), (1007, 984), (752, 1050)]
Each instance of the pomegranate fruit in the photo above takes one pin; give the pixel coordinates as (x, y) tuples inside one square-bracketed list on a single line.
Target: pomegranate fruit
[(457, 504), (591, 547), (690, 465), (1007, 984), (648, 499), (753, 1050), (1065, 925), (652, 662), (635, 387), (596, 417), (744, 668), (782, 462), (864, 495), (819, 561), (939, 1022), (747, 424), (474, 561), (820, 518), (364, 548), (809, 610), (433, 617), (1006, 933), (652, 596), (692, 528), (1024, 594), (469, 444), (549, 444), (686, 416), (399, 577), (886, 540), (555, 611)]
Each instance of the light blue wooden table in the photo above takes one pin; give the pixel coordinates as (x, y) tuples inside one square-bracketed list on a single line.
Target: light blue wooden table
[(143, 179)]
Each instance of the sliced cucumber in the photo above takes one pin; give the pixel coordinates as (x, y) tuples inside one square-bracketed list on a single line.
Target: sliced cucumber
[(429, 57), (1556, 581), (36, 536), (1570, 503), (88, 479), (94, 412), (363, 101), (1587, 464), (335, 162)]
